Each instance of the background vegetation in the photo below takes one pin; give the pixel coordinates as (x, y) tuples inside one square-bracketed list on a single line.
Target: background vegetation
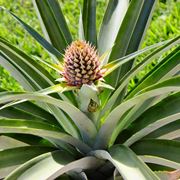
[(165, 25)]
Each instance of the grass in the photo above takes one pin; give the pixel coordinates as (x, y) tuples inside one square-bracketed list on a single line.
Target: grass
[(164, 25)]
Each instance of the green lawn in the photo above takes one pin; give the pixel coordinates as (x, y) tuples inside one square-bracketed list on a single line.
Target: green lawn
[(164, 25)]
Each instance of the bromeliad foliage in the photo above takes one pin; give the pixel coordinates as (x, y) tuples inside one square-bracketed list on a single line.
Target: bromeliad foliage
[(85, 124)]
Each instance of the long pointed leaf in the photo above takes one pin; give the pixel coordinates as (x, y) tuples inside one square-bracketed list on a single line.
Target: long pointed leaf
[(14, 113), (160, 161), (44, 130), (109, 131), (152, 127), (130, 35), (127, 163), (112, 20), (8, 142), (89, 20), (166, 68), (35, 35), (85, 125), (11, 158), (169, 106), (171, 135), (166, 131), (159, 148), (59, 162), (31, 108), (53, 23), (38, 168), (28, 139), (81, 164), (81, 27), (115, 98), (19, 155), (28, 67), (128, 39), (15, 72), (32, 77), (110, 67)]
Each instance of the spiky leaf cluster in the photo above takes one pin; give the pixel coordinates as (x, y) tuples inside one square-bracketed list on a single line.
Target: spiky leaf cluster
[(74, 134)]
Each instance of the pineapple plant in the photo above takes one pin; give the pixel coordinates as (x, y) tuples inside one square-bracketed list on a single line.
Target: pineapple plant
[(86, 124)]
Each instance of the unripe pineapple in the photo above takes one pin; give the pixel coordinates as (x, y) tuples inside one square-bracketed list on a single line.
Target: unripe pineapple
[(81, 64), (93, 131)]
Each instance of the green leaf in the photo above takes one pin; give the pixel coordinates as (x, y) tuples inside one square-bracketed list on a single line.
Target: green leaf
[(11, 158), (9, 142), (85, 125), (62, 87), (113, 126), (81, 28), (78, 165), (169, 82), (35, 35), (153, 119), (160, 161), (64, 121), (38, 168), (31, 108), (127, 163), (32, 77), (27, 110), (56, 67), (110, 67), (112, 20), (53, 23), (152, 127), (116, 99), (170, 131), (103, 57), (25, 66), (102, 85), (27, 165), (44, 130), (175, 134), (130, 35), (89, 20), (60, 162), (167, 149), (19, 155), (165, 69), (15, 72), (28, 139), (11, 112)]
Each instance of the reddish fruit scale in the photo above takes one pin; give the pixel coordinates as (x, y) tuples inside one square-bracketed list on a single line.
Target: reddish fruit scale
[(81, 64)]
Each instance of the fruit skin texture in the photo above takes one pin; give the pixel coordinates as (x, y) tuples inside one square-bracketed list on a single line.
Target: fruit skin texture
[(81, 64)]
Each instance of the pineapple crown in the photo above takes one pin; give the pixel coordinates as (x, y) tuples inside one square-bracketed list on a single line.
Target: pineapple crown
[(81, 64)]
